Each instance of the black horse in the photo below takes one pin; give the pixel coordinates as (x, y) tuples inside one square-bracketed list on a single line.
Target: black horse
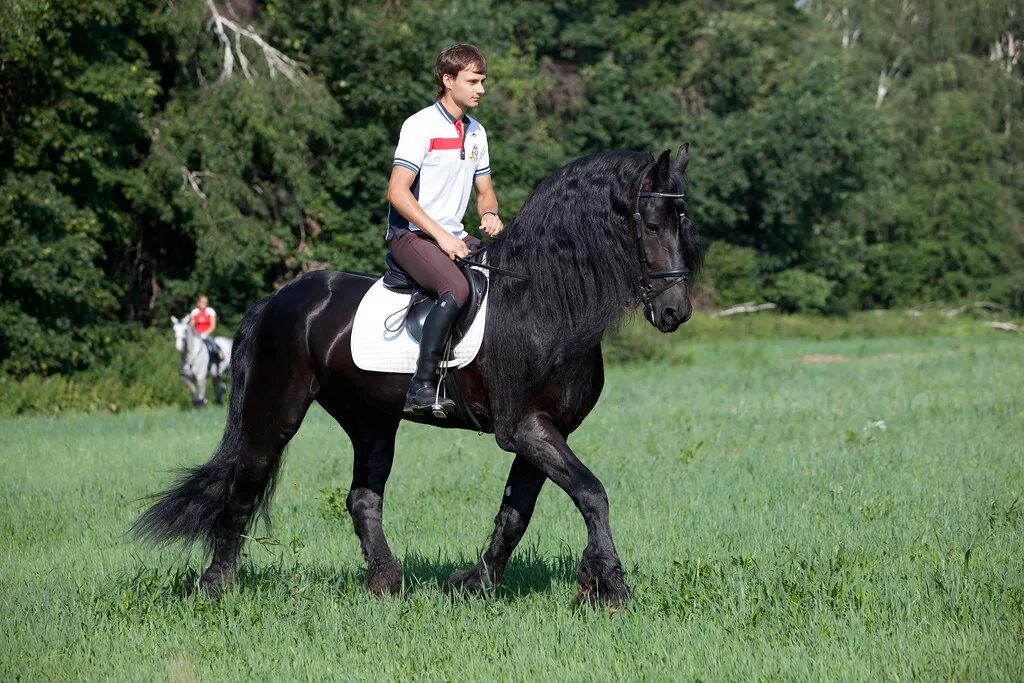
[(604, 234)]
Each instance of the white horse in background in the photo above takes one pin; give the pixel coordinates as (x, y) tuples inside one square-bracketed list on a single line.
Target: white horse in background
[(196, 365)]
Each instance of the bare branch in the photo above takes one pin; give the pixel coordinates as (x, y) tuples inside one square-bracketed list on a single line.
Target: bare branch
[(1007, 49), (982, 305), (193, 179), (277, 61)]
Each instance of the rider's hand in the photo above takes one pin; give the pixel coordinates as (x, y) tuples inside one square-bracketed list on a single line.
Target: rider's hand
[(491, 224), (453, 246)]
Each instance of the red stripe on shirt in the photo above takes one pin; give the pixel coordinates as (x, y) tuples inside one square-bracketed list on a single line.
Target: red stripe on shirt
[(445, 143)]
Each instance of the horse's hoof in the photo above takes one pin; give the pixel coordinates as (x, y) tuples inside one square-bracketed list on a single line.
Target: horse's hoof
[(472, 581), (386, 580), (612, 599), (602, 583), (213, 582)]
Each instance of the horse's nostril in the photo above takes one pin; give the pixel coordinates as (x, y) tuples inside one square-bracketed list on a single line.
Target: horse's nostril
[(670, 315)]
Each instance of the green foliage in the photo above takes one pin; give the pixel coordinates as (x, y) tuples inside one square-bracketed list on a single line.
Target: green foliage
[(731, 274), (139, 371), (797, 291), (1012, 291), (132, 176), (776, 179), (949, 234)]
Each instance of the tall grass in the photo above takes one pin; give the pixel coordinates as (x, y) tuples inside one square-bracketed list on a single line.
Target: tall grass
[(847, 509)]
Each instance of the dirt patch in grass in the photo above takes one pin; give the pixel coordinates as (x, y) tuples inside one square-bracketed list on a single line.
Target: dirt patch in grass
[(825, 358), (839, 358)]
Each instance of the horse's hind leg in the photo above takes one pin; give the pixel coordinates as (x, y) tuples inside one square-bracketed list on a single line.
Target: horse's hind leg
[(218, 389), (274, 405), (373, 446), (521, 490)]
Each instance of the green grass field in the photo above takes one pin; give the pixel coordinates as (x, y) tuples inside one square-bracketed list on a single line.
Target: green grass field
[(856, 515)]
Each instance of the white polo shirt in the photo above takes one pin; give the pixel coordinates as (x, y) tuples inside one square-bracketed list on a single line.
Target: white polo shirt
[(446, 155)]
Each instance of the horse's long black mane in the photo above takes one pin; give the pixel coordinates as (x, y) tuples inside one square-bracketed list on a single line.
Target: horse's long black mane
[(573, 239)]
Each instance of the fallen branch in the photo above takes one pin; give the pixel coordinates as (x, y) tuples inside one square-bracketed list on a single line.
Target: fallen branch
[(193, 179), (746, 307), (983, 305), (277, 61), (1005, 327)]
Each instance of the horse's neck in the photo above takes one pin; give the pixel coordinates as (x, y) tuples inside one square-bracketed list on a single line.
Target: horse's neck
[(193, 342)]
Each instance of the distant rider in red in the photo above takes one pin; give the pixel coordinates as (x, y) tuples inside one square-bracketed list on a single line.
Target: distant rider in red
[(204, 321)]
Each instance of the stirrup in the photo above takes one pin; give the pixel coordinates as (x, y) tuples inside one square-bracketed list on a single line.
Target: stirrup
[(438, 406)]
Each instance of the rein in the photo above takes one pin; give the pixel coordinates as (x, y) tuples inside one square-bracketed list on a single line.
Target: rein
[(648, 292), (496, 269)]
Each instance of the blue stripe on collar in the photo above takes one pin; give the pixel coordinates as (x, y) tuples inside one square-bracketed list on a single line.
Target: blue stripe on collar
[(448, 117), (444, 112)]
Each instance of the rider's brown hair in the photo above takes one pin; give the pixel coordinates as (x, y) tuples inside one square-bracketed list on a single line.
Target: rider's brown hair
[(455, 59)]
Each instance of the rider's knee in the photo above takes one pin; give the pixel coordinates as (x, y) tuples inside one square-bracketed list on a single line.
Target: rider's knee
[(459, 290)]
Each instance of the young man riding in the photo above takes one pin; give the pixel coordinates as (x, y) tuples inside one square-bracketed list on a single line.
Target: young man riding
[(442, 155)]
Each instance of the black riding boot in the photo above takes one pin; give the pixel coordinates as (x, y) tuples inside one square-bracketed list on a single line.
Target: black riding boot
[(423, 388), (215, 354)]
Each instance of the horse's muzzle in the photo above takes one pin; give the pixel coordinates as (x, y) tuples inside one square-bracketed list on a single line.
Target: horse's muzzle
[(669, 318)]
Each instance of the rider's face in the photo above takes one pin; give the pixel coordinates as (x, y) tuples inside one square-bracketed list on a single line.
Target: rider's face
[(466, 87), (202, 303)]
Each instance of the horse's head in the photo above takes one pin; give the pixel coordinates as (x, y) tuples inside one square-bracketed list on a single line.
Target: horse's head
[(180, 333), (667, 241)]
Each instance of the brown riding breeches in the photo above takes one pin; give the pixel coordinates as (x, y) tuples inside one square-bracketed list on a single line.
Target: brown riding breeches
[(423, 259)]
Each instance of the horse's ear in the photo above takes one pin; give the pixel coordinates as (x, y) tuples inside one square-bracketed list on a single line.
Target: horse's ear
[(682, 158), (174, 321), (661, 167)]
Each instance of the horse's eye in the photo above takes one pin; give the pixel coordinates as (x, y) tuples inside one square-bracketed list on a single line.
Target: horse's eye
[(652, 228)]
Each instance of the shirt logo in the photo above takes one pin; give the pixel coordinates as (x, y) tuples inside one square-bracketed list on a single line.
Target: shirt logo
[(475, 154)]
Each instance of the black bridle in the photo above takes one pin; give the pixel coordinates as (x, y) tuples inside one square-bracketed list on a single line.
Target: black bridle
[(682, 274), (648, 292)]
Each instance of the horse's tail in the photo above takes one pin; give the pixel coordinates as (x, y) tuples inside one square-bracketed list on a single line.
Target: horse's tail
[(188, 510)]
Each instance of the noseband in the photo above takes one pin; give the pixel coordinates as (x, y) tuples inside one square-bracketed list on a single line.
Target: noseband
[(682, 274)]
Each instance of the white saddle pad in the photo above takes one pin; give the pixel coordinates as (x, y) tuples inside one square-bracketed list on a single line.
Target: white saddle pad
[(377, 349)]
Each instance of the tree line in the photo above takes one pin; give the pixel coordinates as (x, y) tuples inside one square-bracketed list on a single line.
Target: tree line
[(845, 155)]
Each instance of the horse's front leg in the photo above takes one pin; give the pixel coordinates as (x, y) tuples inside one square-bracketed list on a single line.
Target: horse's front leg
[(600, 573), (191, 384), (200, 399), (521, 490)]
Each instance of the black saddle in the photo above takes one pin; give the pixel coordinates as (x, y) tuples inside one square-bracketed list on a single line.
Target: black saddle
[(398, 280)]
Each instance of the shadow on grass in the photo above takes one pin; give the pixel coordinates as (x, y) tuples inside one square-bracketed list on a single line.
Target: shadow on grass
[(151, 586), (145, 587), (528, 572)]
